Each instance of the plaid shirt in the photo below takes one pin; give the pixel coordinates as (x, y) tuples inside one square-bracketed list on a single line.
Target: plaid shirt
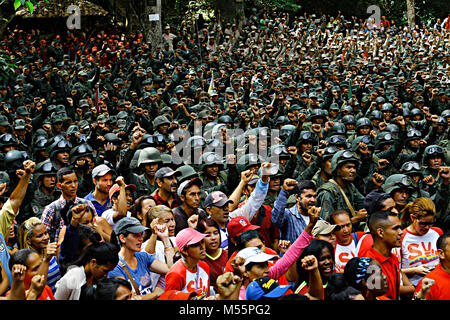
[(49, 212)]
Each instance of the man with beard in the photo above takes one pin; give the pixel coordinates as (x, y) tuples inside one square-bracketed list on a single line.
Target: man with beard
[(102, 176), (190, 194), (339, 192), (165, 194), (45, 175), (291, 222)]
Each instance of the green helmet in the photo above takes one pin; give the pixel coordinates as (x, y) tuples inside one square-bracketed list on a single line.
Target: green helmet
[(160, 120), (286, 130), (79, 151), (134, 160), (210, 158), (383, 138), (362, 122), (7, 140), (14, 159), (166, 159), (341, 157), (187, 172), (411, 168), (433, 151), (329, 152), (397, 181), (45, 168), (376, 115), (149, 155), (59, 146), (279, 151), (247, 161), (337, 128), (368, 140)]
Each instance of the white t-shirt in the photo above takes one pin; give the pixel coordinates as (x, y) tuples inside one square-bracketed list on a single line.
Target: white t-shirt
[(160, 256), (343, 254), (108, 215), (419, 251)]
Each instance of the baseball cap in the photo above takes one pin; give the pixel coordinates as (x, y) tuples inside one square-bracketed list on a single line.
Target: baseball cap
[(188, 183), (217, 199), (101, 170), (129, 224), (237, 225), (177, 295), (324, 227), (265, 287), (255, 255), (166, 172), (253, 180), (187, 237), (116, 188)]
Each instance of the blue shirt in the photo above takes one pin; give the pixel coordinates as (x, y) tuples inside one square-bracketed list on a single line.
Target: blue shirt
[(98, 207), (141, 275), (4, 257)]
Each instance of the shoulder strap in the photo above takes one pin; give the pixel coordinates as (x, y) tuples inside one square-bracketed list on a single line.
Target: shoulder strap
[(349, 205), (355, 238), (136, 289)]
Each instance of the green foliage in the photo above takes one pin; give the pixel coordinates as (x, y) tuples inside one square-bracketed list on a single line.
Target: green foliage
[(6, 67)]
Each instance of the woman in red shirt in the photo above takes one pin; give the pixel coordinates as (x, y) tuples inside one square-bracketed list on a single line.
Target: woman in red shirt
[(216, 257), (32, 261)]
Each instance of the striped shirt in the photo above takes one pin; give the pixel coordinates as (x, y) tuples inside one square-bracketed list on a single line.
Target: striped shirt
[(54, 274)]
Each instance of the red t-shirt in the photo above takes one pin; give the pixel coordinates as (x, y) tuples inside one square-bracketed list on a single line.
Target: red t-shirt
[(441, 288), (391, 268), (216, 266), (46, 294), (267, 230), (183, 279)]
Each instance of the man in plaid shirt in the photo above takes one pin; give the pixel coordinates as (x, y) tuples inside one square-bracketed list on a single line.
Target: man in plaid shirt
[(68, 183)]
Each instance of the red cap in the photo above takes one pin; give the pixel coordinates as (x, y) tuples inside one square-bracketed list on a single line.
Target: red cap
[(237, 225), (177, 295), (116, 188)]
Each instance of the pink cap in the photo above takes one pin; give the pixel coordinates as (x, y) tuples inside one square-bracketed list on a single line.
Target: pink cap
[(187, 237), (116, 188)]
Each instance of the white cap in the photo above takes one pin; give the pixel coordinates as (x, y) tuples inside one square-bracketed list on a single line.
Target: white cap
[(255, 255)]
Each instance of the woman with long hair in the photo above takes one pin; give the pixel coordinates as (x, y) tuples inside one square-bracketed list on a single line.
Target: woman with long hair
[(96, 261), (34, 235)]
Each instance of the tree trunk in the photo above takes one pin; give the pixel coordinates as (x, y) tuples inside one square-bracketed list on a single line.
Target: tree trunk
[(411, 12)]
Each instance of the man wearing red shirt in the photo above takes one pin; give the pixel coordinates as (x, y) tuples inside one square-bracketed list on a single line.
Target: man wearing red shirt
[(441, 274), (165, 194), (385, 228)]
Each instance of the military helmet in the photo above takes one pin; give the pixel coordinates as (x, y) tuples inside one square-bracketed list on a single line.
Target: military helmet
[(79, 151), (225, 119), (392, 128), (361, 122), (416, 111), (338, 128), (368, 140), (380, 100), (329, 152), (411, 168), (397, 181), (59, 146), (376, 115), (8, 140), (166, 160), (343, 156), (308, 137), (413, 134), (247, 161), (14, 159), (210, 158), (383, 138), (187, 172), (433, 151), (348, 119), (195, 142), (286, 130), (281, 120), (387, 107), (134, 160), (279, 151), (337, 140), (45, 168), (149, 155), (160, 120)]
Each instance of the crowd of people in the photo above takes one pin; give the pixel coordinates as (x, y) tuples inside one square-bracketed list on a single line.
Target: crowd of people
[(283, 157)]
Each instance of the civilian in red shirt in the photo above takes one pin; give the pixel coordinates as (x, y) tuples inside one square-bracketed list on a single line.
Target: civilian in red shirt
[(216, 257), (262, 218), (440, 290), (385, 228)]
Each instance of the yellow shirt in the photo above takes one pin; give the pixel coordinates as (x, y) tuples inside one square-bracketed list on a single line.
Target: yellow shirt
[(7, 216)]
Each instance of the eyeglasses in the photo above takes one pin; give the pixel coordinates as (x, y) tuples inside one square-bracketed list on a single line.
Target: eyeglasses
[(409, 166), (435, 150)]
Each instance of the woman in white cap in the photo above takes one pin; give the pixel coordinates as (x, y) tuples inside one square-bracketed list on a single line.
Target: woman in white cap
[(134, 265)]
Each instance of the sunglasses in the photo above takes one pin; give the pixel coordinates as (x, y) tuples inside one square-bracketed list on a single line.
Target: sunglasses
[(426, 224)]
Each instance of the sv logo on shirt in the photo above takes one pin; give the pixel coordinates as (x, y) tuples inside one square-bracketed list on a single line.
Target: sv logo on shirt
[(200, 289), (417, 250)]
